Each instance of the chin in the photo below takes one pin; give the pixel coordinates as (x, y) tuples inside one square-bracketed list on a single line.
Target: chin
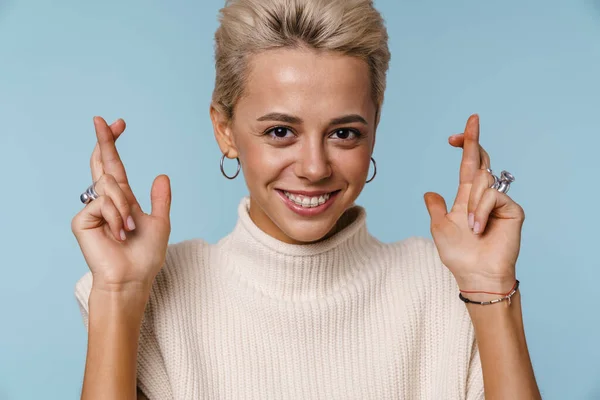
[(300, 217)]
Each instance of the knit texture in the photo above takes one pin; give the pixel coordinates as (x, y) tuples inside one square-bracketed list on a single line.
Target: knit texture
[(349, 317)]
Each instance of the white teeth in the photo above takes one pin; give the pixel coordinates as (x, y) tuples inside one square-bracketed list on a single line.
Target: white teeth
[(307, 202)]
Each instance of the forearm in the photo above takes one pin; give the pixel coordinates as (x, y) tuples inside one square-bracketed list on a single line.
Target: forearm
[(113, 334), (506, 365)]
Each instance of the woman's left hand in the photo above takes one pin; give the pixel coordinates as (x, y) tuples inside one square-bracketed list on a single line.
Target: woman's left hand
[(479, 239)]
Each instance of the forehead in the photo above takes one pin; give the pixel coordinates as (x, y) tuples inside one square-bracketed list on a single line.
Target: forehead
[(307, 83)]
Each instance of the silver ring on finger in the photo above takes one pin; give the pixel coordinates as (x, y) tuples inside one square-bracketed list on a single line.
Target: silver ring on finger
[(90, 194), (502, 184)]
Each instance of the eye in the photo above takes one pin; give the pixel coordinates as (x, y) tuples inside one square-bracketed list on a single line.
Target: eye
[(345, 134), (280, 132)]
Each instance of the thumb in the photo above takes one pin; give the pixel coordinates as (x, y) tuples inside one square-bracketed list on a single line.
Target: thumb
[(436, 206), (160, 197)]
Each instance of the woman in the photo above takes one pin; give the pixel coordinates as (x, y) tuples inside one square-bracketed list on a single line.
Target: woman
[(299, 301)]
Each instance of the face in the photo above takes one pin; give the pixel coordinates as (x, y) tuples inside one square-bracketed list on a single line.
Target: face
[(304, 132)]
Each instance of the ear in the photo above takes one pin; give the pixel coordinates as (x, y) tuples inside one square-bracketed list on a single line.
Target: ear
[(222, 129)]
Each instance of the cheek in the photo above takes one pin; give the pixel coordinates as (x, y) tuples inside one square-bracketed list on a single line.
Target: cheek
[(353, 165), (262, 163)]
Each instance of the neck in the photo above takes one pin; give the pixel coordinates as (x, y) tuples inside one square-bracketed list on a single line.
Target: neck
[(259, 262)]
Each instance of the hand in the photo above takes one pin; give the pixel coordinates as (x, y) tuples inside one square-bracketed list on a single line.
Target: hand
[(133, 260), (482, 258)]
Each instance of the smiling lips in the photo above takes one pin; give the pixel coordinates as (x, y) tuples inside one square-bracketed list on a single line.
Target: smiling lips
[(308, 203)]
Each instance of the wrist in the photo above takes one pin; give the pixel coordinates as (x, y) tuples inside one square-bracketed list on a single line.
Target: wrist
[(496, 316), (129, 303), (104, 284), (499, 284)]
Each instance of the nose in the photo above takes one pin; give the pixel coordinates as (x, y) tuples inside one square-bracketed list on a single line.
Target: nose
[(313, 163)]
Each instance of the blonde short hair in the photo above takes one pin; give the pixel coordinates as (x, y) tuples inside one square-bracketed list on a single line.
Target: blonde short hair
[(351, 27)]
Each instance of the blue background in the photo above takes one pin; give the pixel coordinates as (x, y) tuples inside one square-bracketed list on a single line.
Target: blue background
[(530, 68)]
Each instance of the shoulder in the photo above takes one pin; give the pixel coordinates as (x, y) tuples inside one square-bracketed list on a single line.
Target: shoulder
[(414, 252), (182, 259), (416, 261), (185, 263), (428, 288), (414, 244)]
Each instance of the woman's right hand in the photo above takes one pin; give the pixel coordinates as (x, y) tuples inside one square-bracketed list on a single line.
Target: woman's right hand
[(116, 263)]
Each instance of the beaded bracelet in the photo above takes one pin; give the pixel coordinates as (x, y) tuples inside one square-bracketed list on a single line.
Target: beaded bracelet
[(485, 303)]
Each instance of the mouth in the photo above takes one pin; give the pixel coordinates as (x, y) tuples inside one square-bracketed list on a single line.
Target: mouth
[(308, 203)]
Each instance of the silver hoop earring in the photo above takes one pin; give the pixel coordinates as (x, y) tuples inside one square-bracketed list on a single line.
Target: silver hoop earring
[(374, 171), (236, 172)]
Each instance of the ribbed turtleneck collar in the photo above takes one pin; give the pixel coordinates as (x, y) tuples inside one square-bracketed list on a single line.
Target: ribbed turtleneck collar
[(298, 272)]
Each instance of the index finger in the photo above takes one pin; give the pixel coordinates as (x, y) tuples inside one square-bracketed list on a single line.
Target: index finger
[(110, 156), (471, 157), (111, 161), (117, 128)]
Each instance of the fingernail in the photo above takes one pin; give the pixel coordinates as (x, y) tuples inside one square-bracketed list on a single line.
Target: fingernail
[(476, 228), (123, 237), (471, 220), (130, 223)]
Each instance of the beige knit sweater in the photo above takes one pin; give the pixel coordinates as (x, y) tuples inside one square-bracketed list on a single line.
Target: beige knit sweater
[(346, 318)]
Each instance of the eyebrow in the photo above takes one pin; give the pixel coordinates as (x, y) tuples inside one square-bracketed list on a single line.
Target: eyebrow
[(347, 119), (291, 119)]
